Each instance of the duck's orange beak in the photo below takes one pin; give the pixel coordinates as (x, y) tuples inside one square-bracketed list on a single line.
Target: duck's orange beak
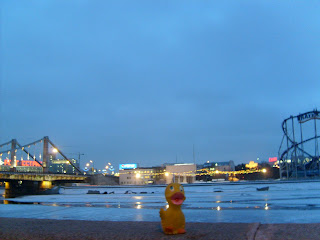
[(177, 198)]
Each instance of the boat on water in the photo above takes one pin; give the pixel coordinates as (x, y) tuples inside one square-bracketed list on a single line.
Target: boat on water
[(263, 189), (93, 192)]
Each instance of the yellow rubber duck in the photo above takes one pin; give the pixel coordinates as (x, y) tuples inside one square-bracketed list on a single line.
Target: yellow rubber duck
[(172, 219)]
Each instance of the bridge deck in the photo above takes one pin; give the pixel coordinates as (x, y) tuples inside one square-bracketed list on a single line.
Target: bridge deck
[(41, 177)]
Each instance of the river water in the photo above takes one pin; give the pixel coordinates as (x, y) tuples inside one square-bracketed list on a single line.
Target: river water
[(284, 202)]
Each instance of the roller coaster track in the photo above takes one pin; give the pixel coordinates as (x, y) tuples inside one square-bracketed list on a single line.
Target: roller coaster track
[(292, 144), (301, 118)]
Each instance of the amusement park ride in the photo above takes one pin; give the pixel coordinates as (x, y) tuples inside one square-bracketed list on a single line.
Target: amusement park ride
[(299, 149)]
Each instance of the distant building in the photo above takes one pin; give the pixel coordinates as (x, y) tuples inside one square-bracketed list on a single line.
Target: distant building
[(181, 173), (55, 165), (214, 170), (167, 173), (101, 179), (252, 165), (142, 176), (219, 166), (63, 166), (21, 165)]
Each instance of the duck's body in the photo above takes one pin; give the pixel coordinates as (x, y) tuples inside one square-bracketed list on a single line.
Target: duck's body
[(172, 219)]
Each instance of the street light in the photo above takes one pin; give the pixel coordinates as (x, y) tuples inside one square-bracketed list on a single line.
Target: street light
[(92, 165)]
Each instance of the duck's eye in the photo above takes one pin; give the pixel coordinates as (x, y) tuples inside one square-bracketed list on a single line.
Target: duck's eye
[(171, 188), (181, 188)]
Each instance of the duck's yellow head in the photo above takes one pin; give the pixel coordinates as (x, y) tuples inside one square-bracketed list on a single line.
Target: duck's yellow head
[(175, 194)]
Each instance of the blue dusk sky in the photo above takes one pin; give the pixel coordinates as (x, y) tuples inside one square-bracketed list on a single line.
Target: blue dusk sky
[(147, 81)]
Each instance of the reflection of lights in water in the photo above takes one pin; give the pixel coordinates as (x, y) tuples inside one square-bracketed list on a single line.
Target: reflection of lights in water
[(139, 206), (139, 217), (218, 201), (218, 208), (266, 206), (138, 197), (118, 205)]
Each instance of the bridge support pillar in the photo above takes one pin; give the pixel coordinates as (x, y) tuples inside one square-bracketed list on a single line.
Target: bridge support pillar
[(45, 185), (45, 162), (13, 155), (7, 190), (15, 188)]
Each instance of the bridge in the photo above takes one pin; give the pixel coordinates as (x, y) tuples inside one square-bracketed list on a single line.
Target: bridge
[(34, 173)]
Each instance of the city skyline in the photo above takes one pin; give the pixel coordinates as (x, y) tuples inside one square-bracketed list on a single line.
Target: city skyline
[(147, 82)]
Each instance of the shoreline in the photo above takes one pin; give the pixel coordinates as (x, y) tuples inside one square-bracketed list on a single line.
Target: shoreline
[(197, 184), (36, 229)]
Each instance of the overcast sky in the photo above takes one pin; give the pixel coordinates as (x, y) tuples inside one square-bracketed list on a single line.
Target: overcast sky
[(145, 81)]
